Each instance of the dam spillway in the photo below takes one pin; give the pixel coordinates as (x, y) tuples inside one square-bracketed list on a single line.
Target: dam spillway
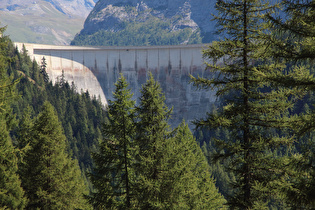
[(96, 69)]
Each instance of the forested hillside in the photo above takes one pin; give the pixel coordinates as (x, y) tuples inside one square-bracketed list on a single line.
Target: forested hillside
[(53, 130), (81, 116)]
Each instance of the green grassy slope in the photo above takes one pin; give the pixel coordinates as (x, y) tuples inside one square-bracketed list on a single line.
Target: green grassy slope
[(40, 23)]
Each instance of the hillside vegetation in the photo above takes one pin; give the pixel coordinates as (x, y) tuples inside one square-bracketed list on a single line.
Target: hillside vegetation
[(120, 23), (81, 117), (44, 22), (151, 32)]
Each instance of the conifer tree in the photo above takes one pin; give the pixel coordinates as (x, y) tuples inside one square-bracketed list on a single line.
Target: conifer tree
[(25, 128), (187, 182), (152, 132), (296, 47), (113, 176), (11, 192), (43, 70), (296, 30), (171, 170), (51, 179), (255, 114)]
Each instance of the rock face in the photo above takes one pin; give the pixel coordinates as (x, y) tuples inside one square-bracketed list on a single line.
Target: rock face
[(44, 21), (195, 14), (74, 7)]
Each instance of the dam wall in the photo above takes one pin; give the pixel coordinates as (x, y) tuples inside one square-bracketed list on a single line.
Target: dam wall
[(96, 69)]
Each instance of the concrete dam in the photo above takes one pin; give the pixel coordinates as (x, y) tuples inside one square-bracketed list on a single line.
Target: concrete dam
[(96, 69)]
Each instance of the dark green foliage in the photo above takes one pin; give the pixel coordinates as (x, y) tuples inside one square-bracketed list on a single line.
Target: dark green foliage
[(143, 164), (11, 192), (153, 132), (31, 84), (296, 30), (84, 116), (51, 179), (297, 48), (113, 175), (171, 170), (43, 70), (81, 116), (187, 182), (300, 191), (256, 111), (150, 32), (223, 178)]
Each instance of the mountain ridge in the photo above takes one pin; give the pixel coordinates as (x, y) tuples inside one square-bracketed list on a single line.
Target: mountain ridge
[(44, 21), (112, 16)]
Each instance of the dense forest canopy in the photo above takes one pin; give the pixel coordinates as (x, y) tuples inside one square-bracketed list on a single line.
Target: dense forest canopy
[(60, 149)]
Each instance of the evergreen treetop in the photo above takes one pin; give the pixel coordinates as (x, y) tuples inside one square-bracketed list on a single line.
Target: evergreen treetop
[(52, 180), (256, 109), (171, 171), (187, 182), (113, 174)]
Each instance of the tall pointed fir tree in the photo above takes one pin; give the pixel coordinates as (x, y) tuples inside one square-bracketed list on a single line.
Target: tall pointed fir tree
[(43, 66), (152, 132), (171, 171), (297, 47), (187, 182), (11, 192), (256, 109), (113, 175), (51, 179)]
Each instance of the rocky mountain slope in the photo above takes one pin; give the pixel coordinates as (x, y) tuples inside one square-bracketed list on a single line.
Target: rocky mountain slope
[(115, 15), (44, 21)]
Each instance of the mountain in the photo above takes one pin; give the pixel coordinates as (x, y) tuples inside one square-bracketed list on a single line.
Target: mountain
[(44, 21), (132, 19)]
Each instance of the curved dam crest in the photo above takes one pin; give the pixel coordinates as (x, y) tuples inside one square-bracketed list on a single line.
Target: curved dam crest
[(97, 69)]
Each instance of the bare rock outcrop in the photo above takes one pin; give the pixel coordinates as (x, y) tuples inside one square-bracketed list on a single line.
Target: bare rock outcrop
[(110, 14)]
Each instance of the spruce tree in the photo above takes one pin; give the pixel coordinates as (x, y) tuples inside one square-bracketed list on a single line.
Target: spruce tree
[(43, 70), (152, 132), (297, 48), (113, 175), (11, 192), (51, 179), (255, 113), (187, 182), (25, 128), (171, 171)]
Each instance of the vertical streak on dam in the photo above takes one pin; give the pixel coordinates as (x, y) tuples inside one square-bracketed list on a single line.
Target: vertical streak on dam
[(96, 69)]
